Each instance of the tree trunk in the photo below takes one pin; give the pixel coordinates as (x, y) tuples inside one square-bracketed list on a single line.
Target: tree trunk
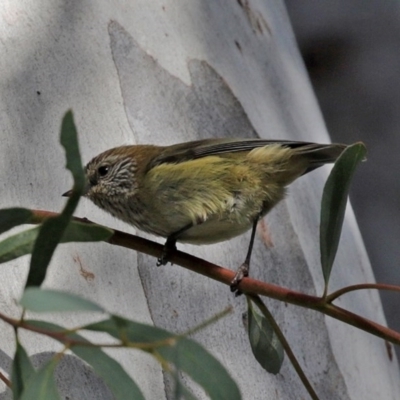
[(163, 73)]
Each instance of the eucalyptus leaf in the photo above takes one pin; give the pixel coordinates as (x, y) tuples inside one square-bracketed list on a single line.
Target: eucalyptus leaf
[(185, 354), (69, 140), (45, 300), (22, 243), (22, 370), (265, 344), (333, 205), (181, 391), (11, 217), (118, 381), (50, 234), (85, 232), (41, 384), (52, 230), (18, 245)]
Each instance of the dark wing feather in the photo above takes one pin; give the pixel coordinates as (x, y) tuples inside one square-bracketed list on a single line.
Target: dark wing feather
[(209, 147)]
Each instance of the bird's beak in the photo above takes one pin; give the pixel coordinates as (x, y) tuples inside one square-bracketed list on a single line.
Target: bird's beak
[(67, 194)]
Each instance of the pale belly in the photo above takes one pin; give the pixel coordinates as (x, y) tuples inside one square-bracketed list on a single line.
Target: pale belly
[(214, 231)]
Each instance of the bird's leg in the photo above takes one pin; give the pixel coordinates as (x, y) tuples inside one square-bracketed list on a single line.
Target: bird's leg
[(243, 270), (170, 245)]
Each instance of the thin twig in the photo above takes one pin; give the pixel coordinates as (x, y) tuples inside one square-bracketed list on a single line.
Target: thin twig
[(296, 365), (362, 286), (5, 379), (207, 322), (63, 336), (60, 336)]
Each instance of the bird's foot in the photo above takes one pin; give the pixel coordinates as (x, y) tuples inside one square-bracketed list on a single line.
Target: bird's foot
[(241, 273), (167, 250)]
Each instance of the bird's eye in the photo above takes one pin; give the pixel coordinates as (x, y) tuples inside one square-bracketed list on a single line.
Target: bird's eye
[(103, 170)]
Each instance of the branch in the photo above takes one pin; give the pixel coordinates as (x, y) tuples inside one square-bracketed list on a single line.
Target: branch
[(362, 286), (247, 285), (5, 379)]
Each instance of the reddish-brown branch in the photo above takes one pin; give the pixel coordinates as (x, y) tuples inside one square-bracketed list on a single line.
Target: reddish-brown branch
[(60, 336), (247, 285), (362, 286), (5, 379)]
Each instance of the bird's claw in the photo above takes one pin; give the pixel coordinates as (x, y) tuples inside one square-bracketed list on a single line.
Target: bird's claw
[(242, 272), (163, 260), (167, 250)]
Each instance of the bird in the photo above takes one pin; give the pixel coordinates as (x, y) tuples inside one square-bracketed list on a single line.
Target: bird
[(203, 191)]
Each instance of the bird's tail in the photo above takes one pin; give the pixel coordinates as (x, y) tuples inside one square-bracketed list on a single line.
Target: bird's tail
[(319, 154)]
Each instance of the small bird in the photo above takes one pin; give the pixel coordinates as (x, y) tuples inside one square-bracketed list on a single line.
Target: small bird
[(200, 192)]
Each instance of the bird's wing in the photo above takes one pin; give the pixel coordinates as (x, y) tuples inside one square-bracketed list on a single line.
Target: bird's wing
[(211, 147)]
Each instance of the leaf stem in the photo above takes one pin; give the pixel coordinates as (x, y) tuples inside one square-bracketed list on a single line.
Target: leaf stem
[(207, 322), (362, 286), (296, 365), (5, 379)]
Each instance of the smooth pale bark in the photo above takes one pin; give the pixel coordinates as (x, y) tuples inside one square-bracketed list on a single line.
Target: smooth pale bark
[(150, 72)]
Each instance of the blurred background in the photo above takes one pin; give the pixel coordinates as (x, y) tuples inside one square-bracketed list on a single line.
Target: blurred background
[(352, 51)]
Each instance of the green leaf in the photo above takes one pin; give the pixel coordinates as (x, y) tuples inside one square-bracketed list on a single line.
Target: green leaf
[(22, 370), (18, 245), (191, 358), (41, 384), (11, 217), (69, 140), (22, 243), (50, 234), (85, 232), (185, 354), (265, 344), (45, 300), (122, 329), (181, 391), (52, 230), (333, 206), (119, 382)]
